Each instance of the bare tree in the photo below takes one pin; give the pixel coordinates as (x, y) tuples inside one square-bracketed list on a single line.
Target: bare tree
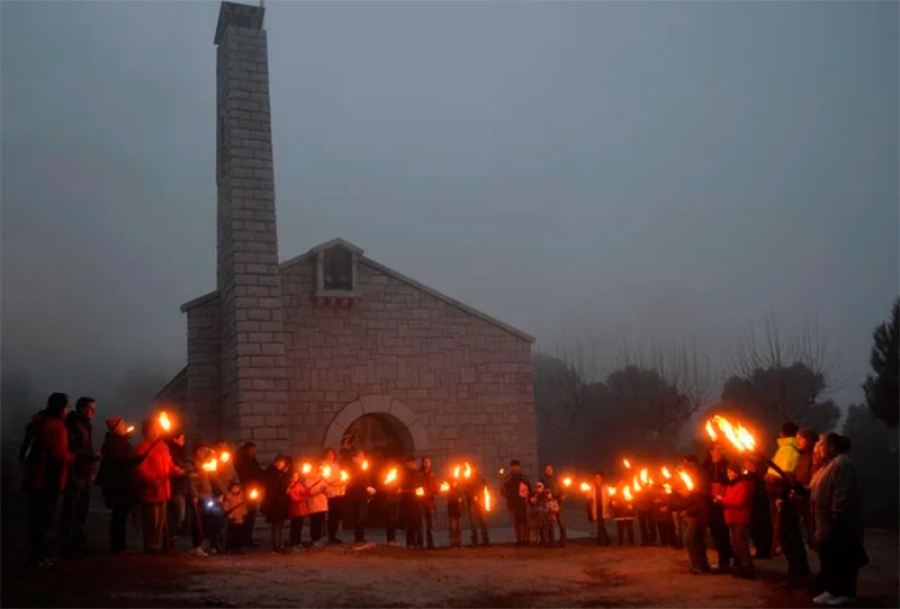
[(564, 383), (784, 373)]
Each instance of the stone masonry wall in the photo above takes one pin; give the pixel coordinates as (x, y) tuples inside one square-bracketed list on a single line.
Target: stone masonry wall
[(468, 380), (203, 381)]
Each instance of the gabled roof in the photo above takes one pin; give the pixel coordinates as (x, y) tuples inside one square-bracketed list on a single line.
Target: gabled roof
[(169, 387), (389, 272)]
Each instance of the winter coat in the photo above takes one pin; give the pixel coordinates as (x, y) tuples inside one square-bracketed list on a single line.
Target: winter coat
[(316, 499), (835, 501), (297, 496), (235, 507), (511, 489), (117, 475), (336, 487), (180, 483), (697, 502), (786, 456), (359, 481), (154, 471), (737, 501), (81, 443), (431, 487), (803, 469), (599, 503), (49, 458), (716, 477), (248, 469), (276, 505)]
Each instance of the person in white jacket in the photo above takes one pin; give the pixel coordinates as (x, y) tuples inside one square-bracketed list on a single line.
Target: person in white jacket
[(335, 492), (317, 502)]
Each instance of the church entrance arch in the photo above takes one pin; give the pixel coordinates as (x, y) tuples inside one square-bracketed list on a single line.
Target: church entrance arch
[(381, 426)]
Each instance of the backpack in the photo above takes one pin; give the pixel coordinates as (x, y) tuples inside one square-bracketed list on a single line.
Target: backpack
[(32, 448)]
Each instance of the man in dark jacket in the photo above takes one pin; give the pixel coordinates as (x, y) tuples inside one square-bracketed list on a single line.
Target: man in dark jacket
[(117, 477), (410, 505), (359, 493), (473, 488), (716, 469), (77, 497), (250, 474), (696, 504), (551, 482), (517, 489), (431, 489)]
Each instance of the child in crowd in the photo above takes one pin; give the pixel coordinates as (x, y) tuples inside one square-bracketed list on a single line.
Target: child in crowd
[(297, 510), (236, 511), (537, 515), (737, 501), (455, 508)]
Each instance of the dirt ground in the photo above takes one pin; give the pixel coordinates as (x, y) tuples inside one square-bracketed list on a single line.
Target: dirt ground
[(581, 575)]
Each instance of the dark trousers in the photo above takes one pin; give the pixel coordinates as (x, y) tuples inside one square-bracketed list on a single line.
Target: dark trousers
[(196, 521), (153, 523), (648, 528), (117, 523), (695, 543), (478, 520), (561, 523), (761, 528), (602, 537), (412, 519), (740, 544), (665, 528), (455, 531), (792, 541), (428, 522), (519, 516), (335, 515), (249, 524), (76, 503), (296, 535), (392, 510), (317, 526), (718, 530), (41, 506), (625, 528), (357, 511), (276, 533), (839, 568), (235, 536)]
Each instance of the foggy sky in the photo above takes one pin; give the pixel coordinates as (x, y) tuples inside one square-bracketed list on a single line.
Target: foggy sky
[(600, 170)]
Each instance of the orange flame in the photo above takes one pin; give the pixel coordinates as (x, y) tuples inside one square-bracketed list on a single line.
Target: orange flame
[(644, 476), (420, 492), (211, 465), (611, 490), (737, 434), (365, 464), (456, 471), (344, 476), (129, 429), (688, 482), (635, 485), (567, 482), (326, 471), (468, 469), (585, 487), (665, 473), (164, 421), (487, 500), (445, 486), (305, 468), (502, 471), (626, 492), (668, 489), (225, 456), (711, 432), (391, 476), (626, 463), (254, 494)]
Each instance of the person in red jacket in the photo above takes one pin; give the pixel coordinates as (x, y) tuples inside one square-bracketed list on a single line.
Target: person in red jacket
[(154, 489), (47, 459), (737, 501)]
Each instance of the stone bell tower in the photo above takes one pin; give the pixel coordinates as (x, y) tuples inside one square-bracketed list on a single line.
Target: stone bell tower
[(253, 369)]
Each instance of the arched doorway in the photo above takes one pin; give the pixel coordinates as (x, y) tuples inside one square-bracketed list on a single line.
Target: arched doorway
[(381, 436), (382, 419)]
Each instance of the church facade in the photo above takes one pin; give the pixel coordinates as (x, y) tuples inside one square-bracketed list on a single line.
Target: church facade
[(297, 355)]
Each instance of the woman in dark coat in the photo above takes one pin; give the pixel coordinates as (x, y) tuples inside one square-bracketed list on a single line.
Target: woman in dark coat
[(276, 503), (117, 478)]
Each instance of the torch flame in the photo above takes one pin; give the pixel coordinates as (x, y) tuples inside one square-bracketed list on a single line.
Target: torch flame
[(567, 481), (365, 464), (635, 485), (129, 429), (456, 471), (391, 476), (305, 468), (254, 494), (688, 482), (626, 492), (626, 463), (210, 466), (711, 432), (737, 434), (164, 421), (487, 500), (611, 490), (585, 487), (225, 456), (644, 476), (668, 489), (420, 492), (344, 476), (468, 469), (445, 486), (502, 471), (326, 471), (665, 473)]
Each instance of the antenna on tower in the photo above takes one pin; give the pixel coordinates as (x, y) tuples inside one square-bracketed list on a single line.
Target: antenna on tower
[(262, 5)]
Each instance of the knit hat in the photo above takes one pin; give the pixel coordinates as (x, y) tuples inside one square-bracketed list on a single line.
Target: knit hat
[(113, 422)]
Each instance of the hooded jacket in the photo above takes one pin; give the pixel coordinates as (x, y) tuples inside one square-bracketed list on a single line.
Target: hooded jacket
[(49, 457), (154, 471), (786, 456), (737, 501)]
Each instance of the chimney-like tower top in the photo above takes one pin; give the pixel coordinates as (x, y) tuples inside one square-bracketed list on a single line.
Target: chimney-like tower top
[(240, 15)]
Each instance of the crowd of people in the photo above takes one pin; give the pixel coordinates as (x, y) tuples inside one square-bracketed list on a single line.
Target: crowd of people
[(212, 497)]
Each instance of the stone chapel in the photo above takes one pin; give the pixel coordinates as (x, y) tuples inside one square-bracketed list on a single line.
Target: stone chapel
[(296, 354)]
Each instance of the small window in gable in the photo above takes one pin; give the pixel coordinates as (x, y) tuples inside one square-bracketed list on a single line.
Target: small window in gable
[(337, 270), (336, 276)]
